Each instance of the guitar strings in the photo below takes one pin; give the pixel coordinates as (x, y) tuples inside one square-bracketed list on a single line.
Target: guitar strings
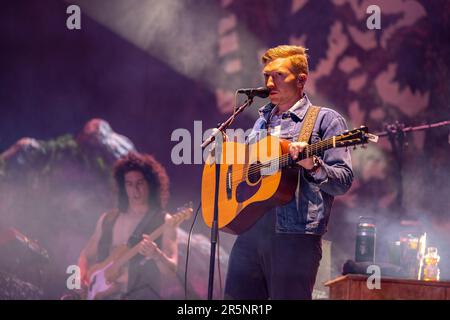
[(283, 159), (327, 143), (322, 145)]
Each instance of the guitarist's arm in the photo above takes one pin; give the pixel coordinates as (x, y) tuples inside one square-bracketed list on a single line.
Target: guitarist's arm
[(89, 252), (334, 174), (166, 258)]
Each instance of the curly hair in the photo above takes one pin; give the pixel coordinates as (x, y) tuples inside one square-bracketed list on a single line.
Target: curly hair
[(153, 172)]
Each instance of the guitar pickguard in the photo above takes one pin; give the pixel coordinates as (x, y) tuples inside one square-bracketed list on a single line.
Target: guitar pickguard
[(245, 191)]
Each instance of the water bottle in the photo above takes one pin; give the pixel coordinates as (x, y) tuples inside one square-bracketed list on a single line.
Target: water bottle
[(431, 270), (365, 240)]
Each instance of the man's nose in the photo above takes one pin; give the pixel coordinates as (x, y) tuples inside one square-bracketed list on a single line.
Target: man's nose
[(269, 83)]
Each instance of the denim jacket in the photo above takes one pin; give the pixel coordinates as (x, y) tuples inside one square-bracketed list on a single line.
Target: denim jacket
[(309, 211)]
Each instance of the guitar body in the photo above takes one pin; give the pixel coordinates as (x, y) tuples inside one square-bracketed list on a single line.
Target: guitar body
[(247, 190), (102, 275)]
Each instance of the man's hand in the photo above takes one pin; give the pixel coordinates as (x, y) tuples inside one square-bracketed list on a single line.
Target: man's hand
[(294, 149), (148, 248), (174, 221)]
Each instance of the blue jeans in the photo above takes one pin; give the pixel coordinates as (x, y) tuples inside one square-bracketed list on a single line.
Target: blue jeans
[(265, 264)]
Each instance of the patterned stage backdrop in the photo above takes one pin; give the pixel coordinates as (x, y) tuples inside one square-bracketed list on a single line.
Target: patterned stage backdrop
[(150, 67)]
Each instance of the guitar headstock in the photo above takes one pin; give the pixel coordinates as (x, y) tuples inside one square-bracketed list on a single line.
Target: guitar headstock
[(355, 137), (183, 213)]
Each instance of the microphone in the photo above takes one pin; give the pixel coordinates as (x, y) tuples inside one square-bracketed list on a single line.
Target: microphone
[(261, 92)]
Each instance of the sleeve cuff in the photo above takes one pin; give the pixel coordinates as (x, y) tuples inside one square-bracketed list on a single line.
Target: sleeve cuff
[(319, 176)]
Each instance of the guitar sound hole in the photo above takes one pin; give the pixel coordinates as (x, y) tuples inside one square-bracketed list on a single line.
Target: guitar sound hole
[(254, 172)]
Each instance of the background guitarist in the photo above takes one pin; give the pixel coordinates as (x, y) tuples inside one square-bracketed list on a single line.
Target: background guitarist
[(142, 189), (279, 256)]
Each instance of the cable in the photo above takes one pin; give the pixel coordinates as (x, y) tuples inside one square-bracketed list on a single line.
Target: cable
[(187, 250), (218, 262)]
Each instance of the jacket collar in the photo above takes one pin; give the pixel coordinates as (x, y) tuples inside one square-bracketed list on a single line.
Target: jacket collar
[(298, 110)]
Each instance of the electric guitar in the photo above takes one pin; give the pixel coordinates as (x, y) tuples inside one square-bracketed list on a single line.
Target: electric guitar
[(255, 178), (101, 276)]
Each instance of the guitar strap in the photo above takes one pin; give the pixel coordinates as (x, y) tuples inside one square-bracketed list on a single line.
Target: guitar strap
[(149, 223), (144, 281), (308, 125), (306, 131)]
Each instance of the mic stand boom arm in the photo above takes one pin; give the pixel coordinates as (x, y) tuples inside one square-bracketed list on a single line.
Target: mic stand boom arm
[(224, 125), (396, 134)]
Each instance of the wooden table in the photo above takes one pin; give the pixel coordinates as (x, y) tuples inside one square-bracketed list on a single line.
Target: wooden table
[(354, 287)]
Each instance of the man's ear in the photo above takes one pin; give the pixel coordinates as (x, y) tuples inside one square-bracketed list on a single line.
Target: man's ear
[(301, 80)]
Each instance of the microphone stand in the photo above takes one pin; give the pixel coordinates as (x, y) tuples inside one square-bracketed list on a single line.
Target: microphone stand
[(396, 133), (217, 154)]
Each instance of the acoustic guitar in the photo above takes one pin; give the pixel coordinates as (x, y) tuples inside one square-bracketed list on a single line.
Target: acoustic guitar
[(255, 178)]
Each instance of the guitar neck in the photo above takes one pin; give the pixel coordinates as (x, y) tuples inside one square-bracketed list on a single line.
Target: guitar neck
[(310, 150)]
